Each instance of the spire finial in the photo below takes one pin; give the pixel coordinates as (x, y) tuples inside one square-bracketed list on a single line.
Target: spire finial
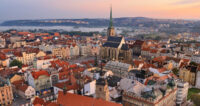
[(111, 23)]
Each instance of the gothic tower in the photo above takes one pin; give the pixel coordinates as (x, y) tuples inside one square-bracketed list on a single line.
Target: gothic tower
[(102, 91), (111, 29)]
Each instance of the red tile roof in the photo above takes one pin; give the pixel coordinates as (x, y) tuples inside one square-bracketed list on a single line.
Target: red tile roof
[(59, 63), (153, 51), (2, 56), (38, 101), (161, 70), (56, 34), (23, 33), (20, 85), (145, 49), (73, 86), (39, 73), (73, 66), (160, 59), (71, 100), (63, 75)]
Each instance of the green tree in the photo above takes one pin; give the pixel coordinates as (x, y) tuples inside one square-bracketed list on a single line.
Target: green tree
[(175, 71), (195, 98), (16, 63), (193, 63)]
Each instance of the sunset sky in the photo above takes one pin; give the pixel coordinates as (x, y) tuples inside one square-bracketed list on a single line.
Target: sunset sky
[(48, 9)]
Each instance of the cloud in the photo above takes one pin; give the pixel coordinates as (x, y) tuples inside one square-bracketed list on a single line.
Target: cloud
[(184, 2)]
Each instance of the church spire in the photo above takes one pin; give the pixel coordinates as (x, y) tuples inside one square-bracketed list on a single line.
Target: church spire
[(111, 30), (111, 23)]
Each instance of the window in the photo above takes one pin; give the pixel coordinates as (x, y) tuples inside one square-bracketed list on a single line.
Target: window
[(100, 89)]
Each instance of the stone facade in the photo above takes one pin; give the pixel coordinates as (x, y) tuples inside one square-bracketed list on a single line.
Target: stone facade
[(116, 49)]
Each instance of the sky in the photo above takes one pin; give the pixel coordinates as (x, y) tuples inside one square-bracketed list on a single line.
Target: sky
[(53, 9)]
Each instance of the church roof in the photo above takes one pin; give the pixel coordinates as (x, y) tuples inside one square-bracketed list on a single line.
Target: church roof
[(114, 39), (111, 44)]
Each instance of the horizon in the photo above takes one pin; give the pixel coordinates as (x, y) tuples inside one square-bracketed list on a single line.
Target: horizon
[(77, 9), (99, 18)]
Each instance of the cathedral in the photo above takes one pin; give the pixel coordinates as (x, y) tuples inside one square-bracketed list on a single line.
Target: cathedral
[(115, 47)]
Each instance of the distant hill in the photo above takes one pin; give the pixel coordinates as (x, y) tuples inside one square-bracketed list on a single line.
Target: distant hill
[(118, 22)]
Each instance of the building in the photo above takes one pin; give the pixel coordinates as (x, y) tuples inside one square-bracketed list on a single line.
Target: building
[(111, 29), (62, 52), (6, 93), (78, 100), (182, 92), (90, 88), (119, 69), (16, 77), (102, 91), (196, 58), (188, 74), (40, 81), (19, 44), (136, 47), (23, 90), (151, 95), (139, 75), (43, 62), (4, 60), (115, 48), (74, 50), (2, 41), (25, 57), (85, 50), (198, 77)]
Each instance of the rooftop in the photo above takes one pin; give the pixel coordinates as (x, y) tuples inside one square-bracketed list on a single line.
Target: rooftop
[(71, 100)]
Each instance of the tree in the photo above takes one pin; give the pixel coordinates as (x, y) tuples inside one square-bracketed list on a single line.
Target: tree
[(175, 71), (16, 63), (193, 63), (195, 98)]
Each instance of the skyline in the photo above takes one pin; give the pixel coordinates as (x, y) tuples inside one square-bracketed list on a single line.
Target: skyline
[(52, 9)]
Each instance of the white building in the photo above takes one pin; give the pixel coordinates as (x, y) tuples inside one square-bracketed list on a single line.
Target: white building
[(195, 58), (198, 79), (29, 92), (74, 50), (46, 48), (43, 62), (90, 88), (182, 92)]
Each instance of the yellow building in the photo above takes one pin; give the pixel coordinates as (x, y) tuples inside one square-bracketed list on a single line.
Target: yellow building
[(19, 44), (4, 61), (188, 74), (62, 52), (26, 58), (40, 54), (16, 78), (6, 94)]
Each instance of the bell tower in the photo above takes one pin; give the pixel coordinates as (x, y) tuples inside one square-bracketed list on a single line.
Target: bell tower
[(111, 29), (102, 91)]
